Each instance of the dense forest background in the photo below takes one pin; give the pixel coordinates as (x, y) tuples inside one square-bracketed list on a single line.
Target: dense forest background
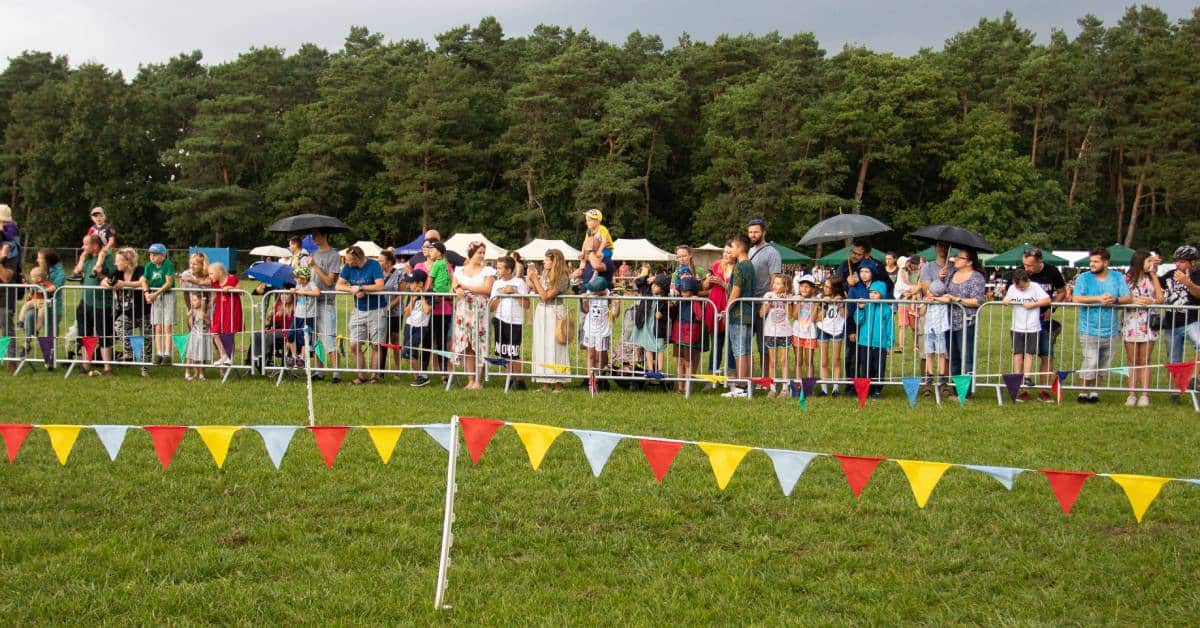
[(1070, 142)]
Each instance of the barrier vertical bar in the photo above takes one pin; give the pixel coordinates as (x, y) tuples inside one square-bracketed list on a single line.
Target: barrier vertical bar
[(447, 518)]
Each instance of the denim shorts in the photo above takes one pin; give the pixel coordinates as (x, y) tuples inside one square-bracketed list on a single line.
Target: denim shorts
[(935, 343), (740, 339), (824, 336)]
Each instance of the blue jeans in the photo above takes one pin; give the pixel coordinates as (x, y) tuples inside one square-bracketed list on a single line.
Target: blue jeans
[(962, 359), (1175, 337)]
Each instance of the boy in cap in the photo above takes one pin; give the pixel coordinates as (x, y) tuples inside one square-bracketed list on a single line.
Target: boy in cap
[(597, 249), (418, 312), (158, 277)]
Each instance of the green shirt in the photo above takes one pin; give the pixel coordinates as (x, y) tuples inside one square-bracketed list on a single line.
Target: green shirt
[(742, 277), (439, 276), (102, 297), (156, 275)]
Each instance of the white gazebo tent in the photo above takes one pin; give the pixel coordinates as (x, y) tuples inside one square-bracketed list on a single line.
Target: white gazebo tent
[(706, 255), (370, 249), (639, 250), (536, 249), (459, 242)]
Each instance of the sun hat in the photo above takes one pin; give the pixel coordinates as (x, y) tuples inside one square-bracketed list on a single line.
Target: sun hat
[(304, 272), (5, 213), (97, 211)]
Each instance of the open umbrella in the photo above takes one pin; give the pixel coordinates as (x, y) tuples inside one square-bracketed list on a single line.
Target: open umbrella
[(841, 227), (307, 222), (270, 250), (273, 274), (956, 236)]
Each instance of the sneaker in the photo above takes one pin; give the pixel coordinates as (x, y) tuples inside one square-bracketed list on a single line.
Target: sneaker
[(1045, 397), (336, 379), (146, 373), (419, 381), (1028, 383), (1131, 401), (1093, 397), (1144, 401), (736, 393), (1023, 397), (1082, 398)]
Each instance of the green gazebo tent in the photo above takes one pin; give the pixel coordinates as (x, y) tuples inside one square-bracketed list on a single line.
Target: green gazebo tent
[(790, 256), (1012, 257), (1119, 255)]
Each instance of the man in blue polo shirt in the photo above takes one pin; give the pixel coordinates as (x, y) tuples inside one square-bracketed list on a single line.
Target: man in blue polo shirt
[(363, 278), (1099, 326)]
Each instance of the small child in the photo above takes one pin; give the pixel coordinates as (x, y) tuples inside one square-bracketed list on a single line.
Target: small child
[(509, 322), (804, 328), (651, 319), (937, 325), (876, 334), (306, 292), (1026, 299), (10, 235), (777, 329), (199, 344), (597, 324), (418, 311), (33, 312), (687, 330), (831, 332), (597, 247)]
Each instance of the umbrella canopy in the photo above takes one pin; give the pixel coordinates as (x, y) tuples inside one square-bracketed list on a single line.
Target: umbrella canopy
[(369, 249), (1012, 257), (956, 236), (308, 244), (841, 227), (273, 274), (270, 250), (412, 248), (307, 222), (1118, 254), (839, 257), (789, 256), (639, 250), (536, 249), (460, 241)]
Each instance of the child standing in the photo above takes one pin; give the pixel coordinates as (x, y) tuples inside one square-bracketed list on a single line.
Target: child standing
[(777, 329), (199, 344), (597, 324), (1026, 299), (509, 322), (306, 292), (687, 330), (804, 327), (158, 277), (651, 319), (831, 332), (875, 336), (418, 312), (937, 327)]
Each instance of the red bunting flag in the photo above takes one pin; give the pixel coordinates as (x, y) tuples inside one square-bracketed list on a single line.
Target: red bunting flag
[(660, 454), (166, 440), (862, 386), (478, 433), (858, 470), (89, 346), (329, 440), (389, 346), (1181, 374), (763, 382), (1066, 486), (14, 434)]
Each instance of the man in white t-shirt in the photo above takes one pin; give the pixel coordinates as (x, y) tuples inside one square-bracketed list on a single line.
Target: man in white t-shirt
[(509, 303), (1027, 299)]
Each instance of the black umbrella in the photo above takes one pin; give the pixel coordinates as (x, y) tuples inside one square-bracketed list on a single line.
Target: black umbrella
[(841, 227), (303, 223), (955, 236)]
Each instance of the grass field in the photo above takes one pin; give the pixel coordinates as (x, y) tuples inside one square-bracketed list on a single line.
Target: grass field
[(127, 542)]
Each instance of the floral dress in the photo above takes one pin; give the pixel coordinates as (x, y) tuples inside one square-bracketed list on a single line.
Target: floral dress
[(1136, 326), (471, 313)]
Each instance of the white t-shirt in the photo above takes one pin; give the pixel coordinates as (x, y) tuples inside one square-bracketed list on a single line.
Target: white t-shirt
[(834, 320), (473, 282), (777, 322), (510, 309), (418, 317), (1026, 320), (597, 324)]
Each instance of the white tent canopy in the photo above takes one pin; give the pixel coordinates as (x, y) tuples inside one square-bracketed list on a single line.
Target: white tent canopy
[(459, 242), (369, 249), (709, 246), (639, 250), (536, 249)]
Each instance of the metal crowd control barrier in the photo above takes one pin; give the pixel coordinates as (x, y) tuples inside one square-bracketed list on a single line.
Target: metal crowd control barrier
[(25, 315), (851, 338), (115, 327), (1159, 334)]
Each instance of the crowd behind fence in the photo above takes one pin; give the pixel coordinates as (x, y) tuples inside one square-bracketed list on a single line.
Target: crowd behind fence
[(684, 344)]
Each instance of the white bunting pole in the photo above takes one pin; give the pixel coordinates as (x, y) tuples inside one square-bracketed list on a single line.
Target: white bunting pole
[(448, 517), (308, 358)]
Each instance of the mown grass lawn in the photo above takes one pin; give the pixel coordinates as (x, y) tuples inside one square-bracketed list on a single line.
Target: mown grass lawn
[(128, 542)]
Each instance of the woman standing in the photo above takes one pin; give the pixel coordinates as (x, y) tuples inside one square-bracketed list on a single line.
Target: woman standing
[(1136, 330), (717, 285), (549, 285), (129, 305), (966, 286), (472, 287), (395, 329)]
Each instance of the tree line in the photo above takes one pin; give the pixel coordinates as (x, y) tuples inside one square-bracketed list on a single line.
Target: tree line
[(1072, 142)]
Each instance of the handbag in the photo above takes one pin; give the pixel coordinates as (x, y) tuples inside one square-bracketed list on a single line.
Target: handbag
[(564, 330)]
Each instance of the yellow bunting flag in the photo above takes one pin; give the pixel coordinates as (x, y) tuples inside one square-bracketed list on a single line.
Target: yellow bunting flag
[(724, 460), (922, 477), (216, 438), (714, 379), (558, 368), (62, 439), (1140, 489), (384, 437), (537, 439)]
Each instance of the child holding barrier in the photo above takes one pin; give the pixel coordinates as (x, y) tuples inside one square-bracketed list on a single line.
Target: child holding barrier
[(777, 329), (831, 332)]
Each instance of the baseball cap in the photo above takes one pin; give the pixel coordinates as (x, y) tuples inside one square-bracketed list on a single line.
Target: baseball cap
[(755, 221), (689, 284), (414, 276), (97, 211), (808, 279), (594, 214), (158, 248)]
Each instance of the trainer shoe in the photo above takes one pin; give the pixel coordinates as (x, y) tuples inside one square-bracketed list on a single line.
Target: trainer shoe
[(1144, 401), (1131, 401), (1093, 397), (1023, 397), (1045, 397), (1082, 398), (419, 381)]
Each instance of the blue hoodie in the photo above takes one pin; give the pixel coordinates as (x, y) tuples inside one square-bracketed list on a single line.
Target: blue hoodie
[(875, 328)]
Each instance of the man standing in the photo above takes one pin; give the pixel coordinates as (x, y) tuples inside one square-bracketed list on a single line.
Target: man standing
[(741, 314), (1181, 288), (1098, 326), (766, 263), (363, 278), (95, 315), (325, 265), (1051, 281)]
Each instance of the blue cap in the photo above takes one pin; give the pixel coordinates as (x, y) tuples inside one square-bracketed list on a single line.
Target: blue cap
[(158, 248)]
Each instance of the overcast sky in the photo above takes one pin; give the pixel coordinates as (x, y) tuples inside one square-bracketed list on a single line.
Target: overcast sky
[(125, 33)]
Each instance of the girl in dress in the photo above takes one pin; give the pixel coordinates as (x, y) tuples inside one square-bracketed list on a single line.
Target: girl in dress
[(804, 327), (777, 328), (199, 343), (1136, 331)]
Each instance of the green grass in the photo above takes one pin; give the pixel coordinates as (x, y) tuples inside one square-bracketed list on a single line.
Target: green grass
[(127, 542)]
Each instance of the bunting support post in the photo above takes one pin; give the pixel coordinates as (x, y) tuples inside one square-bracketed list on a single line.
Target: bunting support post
[(448, 517), (312, 418)]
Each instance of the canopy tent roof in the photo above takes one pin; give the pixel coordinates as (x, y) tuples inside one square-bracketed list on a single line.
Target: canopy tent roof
[(709, 246), (1012, 257), (839, 257), (459, 242), (412, 248), (639, 250), (1119, 255), (369, 249), (790, 256), (536, 249)]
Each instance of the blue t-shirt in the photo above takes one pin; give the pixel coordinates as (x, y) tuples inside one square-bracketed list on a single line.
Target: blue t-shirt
[(365, 276), (1099, 320)]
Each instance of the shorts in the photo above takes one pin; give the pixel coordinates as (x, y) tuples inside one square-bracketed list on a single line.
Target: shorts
[(804, 343), (1025, 342), (162, 311), (824, 336), (596, 342), (907, 315), (778, 342), (1047, 337), (935, 343), (740, 337), (415, 338), (98, 322), (296, 333), (1097, 355), (508, 338), (326, 324), (368, 325)]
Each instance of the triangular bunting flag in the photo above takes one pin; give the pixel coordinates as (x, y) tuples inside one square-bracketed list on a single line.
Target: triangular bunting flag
[(795, 389), (1181, 374), (1066, 486), (1057, 382), (912, 386), (318, 348), (1140, 489), (166, 440), (329, 440), (858, 470), (862, 386), (46, 344), (789, 466), (449, 355), (802, 400), (276, 438), (962, 387), (217, 439), (724, 460), (14, 434), (226, 342), (1123, 371), (62, 439), (384, 437), (137, 344), (557, 368), (4, 341), (111, 436), (89, 346), (597, 446), (1003, 475), (439, 433), (660, 454), (181, 345), (537, 439), (1012, 381), (713, 379), (808, 385), (492, 361), (922, 477), (762, 382), (478, 433)]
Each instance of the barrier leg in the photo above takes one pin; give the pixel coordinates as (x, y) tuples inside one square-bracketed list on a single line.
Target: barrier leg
[(447, 518), (999, 399)]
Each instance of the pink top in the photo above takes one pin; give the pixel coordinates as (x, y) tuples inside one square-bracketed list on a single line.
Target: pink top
[(227, 308)]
